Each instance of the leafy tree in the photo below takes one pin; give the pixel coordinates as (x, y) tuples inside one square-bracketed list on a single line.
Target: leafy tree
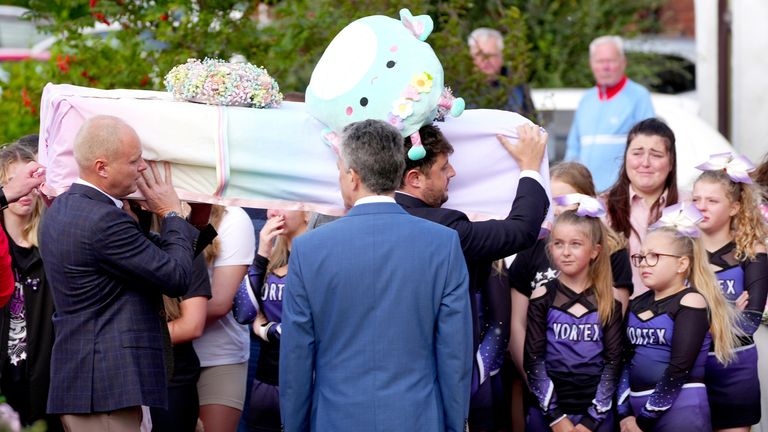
[(546, 42)]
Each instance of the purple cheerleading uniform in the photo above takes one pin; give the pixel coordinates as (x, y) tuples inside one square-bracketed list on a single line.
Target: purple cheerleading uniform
[(734, 390), (662, 383), (571, 359), (263, 292)]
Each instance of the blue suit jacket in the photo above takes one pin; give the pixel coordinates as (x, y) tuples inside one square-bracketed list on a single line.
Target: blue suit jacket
[(107, 278), (376, 329)]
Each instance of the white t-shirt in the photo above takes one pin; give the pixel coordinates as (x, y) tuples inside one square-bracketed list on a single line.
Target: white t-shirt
[(225, 341)]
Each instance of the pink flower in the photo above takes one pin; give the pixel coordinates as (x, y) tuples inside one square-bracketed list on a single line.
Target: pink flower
[(395, 121)]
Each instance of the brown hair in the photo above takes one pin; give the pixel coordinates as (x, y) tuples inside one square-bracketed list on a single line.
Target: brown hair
[(434, 143), (576, 175), (617, 197)]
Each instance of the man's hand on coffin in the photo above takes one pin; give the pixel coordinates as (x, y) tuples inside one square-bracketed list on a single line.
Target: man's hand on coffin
[(159, 195), (27, 178), (530, 148)]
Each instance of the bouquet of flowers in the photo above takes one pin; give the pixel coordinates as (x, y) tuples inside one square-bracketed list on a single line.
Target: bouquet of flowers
[(218, 82)]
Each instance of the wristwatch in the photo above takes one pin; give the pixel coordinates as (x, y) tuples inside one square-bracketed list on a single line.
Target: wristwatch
[(171, 214)]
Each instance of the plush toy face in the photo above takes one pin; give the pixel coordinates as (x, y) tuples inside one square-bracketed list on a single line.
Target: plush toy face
[(378, 68)]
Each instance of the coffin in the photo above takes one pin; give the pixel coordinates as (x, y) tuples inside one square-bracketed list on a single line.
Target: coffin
[(265, 158)]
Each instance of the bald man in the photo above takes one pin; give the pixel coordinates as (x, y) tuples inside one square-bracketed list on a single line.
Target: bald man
[(107, 277)]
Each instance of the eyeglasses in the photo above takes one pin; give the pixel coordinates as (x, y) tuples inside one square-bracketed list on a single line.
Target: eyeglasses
[(651, 258), (482, 55)]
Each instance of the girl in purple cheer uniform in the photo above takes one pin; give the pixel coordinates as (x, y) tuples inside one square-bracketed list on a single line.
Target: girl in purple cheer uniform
[(260, 301), (733, 232), (573, 338), (669, 331)]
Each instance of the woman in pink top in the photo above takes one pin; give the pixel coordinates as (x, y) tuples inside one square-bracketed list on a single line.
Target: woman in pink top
[(647, 183)]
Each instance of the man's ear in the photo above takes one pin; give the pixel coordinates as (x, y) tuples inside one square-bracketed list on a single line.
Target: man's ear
[(413, 178), (100, 165), (354, 179)]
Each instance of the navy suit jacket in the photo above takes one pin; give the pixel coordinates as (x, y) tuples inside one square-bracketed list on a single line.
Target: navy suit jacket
[(107, 278), (376, 331), (488, 241)]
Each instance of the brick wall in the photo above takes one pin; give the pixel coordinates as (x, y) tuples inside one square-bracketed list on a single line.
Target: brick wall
[(678, 18)]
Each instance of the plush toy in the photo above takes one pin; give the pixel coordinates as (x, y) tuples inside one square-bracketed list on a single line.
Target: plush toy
[(381, 68)]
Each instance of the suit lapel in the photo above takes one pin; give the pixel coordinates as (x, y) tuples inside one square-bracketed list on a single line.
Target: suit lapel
[(90, 192)]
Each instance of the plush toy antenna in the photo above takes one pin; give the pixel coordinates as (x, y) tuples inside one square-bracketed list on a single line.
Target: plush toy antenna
[(417, 151), (421, 26)]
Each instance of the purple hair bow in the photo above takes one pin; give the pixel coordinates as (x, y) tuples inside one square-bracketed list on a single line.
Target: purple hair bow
[(736, 166), (683, 218), (588, 206)]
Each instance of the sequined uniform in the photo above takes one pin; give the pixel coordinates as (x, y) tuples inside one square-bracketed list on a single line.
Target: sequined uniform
[(662, 383), (734, 390), (571, 358)]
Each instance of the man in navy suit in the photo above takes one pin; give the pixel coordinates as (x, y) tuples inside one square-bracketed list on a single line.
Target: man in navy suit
[(424, 188), (376, 331), (107, 278)]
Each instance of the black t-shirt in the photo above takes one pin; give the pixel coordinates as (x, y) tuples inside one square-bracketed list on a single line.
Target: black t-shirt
[(186, 365), (531, 268)]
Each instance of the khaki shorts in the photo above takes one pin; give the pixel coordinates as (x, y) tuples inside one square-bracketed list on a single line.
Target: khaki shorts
[(223, 385)]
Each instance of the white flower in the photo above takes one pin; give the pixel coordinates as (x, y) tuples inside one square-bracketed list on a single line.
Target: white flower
[(402, 108)]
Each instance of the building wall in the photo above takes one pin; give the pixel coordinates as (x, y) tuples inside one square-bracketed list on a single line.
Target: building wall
[(706, 59), (749, 68)]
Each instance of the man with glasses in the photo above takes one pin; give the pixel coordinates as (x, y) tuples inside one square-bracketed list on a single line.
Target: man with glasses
[(486, 46)]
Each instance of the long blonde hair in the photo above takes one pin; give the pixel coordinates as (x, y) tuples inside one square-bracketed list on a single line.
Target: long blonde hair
[(748, 226), (16, 153), (722, 315), (599, 274), (579, 178), (281, 250), (279, 256), (172, 308)]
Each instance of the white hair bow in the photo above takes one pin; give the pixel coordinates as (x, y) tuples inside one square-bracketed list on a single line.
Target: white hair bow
[(683, 218), (588, 206), (736, 166)]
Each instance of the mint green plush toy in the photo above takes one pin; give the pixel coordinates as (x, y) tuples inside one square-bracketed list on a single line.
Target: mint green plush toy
[(381, 68)]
